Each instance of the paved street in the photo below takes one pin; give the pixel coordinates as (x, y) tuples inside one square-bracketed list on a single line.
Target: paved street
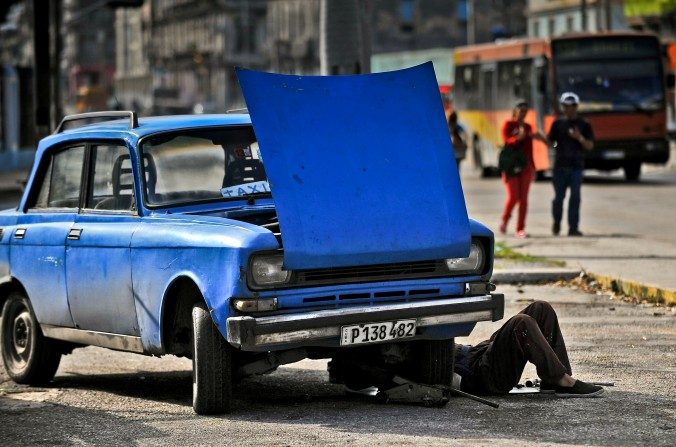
[(101, 397), (628, 226)]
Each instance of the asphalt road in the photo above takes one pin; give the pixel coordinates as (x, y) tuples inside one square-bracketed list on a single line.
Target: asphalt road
[(102, 397)]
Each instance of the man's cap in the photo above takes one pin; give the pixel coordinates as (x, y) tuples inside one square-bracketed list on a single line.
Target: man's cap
[(569, 99), (521, 103)]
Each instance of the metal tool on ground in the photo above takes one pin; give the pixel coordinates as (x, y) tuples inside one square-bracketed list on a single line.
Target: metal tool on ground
[(533, 386), (406, 391), (602, 383), (473, 397)]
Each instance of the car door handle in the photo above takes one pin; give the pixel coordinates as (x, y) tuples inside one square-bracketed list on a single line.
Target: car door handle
[(74, 234), (19, 233)]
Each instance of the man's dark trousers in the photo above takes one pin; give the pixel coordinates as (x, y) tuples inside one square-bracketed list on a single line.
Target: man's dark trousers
[(563, 179), (532, 335)]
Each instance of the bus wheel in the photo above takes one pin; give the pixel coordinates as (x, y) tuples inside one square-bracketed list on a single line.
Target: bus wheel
[(632, 171)]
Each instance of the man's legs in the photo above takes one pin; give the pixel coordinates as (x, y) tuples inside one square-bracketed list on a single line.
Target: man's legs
[(548, 323), (522, 339), (560, 182), (512, 188), (525, 179), (576, 176)]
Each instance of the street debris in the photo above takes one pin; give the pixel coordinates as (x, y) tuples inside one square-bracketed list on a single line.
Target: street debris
[(586, 283)]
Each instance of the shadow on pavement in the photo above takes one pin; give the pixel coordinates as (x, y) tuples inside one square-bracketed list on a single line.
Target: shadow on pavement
[(169, 387), (299, 396), (63, 425), (564, 237)]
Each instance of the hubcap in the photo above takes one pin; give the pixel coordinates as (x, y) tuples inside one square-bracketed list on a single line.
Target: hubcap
[(17, 337), (22, 333)]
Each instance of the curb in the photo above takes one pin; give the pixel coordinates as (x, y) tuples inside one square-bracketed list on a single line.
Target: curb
[(634, 289), (534, 275)]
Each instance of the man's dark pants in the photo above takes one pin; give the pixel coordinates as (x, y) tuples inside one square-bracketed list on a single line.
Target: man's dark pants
[(563, 179), (533, 335)]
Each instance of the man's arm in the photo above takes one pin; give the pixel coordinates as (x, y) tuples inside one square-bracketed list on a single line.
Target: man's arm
[(552, 135), (586, 142)]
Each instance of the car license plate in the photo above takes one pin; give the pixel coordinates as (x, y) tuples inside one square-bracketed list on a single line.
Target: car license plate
[(377, 332), (613, 155)]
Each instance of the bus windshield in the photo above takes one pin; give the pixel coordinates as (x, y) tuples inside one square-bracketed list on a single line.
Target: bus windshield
[(613, 85)]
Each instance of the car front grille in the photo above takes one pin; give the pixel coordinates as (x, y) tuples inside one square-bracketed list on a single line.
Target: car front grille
[(366, 273)]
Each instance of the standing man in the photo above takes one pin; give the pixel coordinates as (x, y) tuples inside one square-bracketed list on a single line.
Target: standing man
[(571, 136)]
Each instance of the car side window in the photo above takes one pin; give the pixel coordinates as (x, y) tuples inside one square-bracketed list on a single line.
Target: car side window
[(62, 181), (112, 183)]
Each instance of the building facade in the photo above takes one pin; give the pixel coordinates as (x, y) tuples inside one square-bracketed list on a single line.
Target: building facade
[(549, 18), (194, 47), (133, 80), (88, 56), (293, 36), (17, 121)]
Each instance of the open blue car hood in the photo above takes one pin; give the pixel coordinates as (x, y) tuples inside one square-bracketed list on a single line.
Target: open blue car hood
[(361, 167)]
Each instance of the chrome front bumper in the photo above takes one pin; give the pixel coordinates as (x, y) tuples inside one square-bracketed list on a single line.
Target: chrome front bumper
[(259, 333)]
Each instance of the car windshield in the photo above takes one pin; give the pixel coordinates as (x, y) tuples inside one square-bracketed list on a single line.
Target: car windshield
[(202, 165), (613, 85)]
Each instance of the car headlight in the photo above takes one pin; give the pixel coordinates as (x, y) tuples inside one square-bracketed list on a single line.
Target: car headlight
[(266, 270), (473, 263)]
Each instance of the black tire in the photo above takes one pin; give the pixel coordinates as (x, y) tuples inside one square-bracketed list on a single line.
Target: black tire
[(632, 171), (211, 365), (29, 357), (435, 360)]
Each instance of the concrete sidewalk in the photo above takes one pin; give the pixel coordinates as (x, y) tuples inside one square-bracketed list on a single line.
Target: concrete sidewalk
[(629, 243)]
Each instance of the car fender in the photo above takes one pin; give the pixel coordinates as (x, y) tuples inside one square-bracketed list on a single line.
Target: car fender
[(213, 256)]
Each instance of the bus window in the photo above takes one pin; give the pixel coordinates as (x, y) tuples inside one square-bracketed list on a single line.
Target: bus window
[(514, 79), (466, 91)]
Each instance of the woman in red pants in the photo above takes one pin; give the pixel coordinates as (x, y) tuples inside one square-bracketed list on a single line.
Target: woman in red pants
[(519, 135)]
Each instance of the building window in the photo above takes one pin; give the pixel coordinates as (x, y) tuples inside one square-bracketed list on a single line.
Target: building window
[(570, 23), (536, 28), (551, 26)]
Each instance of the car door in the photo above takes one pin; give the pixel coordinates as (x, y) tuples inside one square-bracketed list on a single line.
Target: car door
[(98, 256), (37, 250)]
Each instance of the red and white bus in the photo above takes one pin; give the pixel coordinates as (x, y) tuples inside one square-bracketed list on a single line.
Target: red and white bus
[(619, 78)]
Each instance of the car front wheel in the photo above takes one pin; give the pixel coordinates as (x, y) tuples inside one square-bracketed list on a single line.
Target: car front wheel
[(211, 365), (29, 357), (435, 360)]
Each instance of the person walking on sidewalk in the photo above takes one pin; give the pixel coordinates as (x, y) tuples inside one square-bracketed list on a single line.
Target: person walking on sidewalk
[(457, 138), (518, 136), (495, 366), (571, 136)]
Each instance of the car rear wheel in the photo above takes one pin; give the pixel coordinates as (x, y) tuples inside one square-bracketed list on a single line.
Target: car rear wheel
[(29, 357), (434, 362), (211, 365)]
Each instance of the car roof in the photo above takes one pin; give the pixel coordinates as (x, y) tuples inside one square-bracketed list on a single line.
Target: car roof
[(119, 128)]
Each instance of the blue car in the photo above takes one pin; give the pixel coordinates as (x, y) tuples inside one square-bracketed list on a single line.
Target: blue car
[(327, 222)]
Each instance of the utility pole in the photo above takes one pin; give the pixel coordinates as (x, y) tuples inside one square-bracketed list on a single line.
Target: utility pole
[(609, 14), (342, 48), (56, 109), (471, 23), (583, 12), (42, 69)]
